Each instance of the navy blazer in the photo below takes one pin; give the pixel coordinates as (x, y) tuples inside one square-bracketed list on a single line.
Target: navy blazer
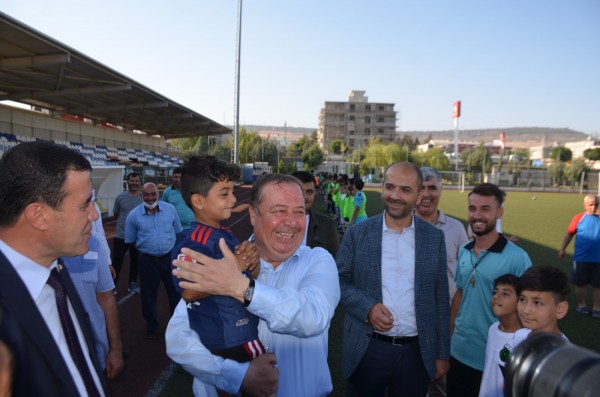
[(322, 232), (39, 368), (359, 265)]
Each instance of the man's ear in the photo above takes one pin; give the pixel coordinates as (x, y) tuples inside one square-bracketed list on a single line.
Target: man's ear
[(419, 197), (500, 213), (197, 201), (252, 213), (562, 309), (36, 215)]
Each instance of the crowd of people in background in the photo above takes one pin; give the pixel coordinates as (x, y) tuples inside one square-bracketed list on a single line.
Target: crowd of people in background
[(428, 310), (344, 199)]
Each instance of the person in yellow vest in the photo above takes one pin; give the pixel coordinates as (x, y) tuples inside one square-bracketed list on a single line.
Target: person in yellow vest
[(347, 206)]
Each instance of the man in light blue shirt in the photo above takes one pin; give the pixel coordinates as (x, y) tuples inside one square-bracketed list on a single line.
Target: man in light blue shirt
[(172, 195), (489, 256), (295, 296), (93, 281), (152, 228)]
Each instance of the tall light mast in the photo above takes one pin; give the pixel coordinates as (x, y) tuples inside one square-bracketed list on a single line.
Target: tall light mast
[(236, 126)]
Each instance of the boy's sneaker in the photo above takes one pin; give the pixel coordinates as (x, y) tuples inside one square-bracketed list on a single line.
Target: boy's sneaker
[(133, 288)]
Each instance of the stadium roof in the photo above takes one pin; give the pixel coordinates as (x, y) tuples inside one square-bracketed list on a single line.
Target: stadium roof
[(40, 71)]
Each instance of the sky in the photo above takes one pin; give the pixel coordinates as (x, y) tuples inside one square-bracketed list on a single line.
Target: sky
[(511, 63)]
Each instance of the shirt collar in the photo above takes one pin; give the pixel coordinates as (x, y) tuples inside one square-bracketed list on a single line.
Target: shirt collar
[(145, 210), (497, 247), (385, 228), (295, 257), (441, 217), (33, 275)]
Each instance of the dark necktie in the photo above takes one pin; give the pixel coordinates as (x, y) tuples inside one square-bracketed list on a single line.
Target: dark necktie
[(71, 334)]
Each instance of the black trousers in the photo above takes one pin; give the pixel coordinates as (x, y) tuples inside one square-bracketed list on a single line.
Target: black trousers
[(153, 270), (118, 253), (399, 369), (462, 380)]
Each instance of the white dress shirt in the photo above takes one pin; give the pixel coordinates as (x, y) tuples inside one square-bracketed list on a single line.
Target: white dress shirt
[(295, 301), (398, 278)]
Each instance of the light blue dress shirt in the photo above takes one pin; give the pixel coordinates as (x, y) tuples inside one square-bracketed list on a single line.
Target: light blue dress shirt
[(295, 301), (173, 196), (90, 274), (153, 234)]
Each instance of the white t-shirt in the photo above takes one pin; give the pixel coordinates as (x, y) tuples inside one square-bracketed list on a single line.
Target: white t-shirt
[(498, 349)]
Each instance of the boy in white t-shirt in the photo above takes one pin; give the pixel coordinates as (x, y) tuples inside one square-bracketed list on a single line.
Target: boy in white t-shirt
[(500, 336)]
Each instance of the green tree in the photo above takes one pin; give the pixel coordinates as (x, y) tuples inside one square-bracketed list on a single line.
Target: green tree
[(306, 149), (561, 153), (436, 158), (477, 158), (520, 156), (336, 146), (312, 157), (407, 140), (574, 171), (557, 171), (592, 154)]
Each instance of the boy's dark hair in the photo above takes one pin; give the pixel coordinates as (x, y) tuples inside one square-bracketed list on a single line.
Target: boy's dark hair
[(177, 170), (489, 189), (545, 279), (359, 184), (507, 279), (200, 173)]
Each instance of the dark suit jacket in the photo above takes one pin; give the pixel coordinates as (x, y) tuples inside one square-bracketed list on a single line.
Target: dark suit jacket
[(322, 232), (39, 369), (359, 265)]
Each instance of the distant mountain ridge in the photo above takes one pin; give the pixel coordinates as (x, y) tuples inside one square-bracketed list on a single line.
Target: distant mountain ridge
[(514, 136)]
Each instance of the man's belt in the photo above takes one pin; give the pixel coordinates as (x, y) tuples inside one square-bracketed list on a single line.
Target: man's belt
[(158, 257), (395, 340)]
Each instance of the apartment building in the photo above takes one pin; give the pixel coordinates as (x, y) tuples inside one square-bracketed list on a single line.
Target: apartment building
[(355, 121)]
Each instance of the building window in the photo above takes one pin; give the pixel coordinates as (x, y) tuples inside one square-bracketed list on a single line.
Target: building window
[(352, 107), (351, 118), (351, 142), (368, 108), (351, 132), (380, 119), (381, 107), (367, 120), (367, 131), (381, 130)]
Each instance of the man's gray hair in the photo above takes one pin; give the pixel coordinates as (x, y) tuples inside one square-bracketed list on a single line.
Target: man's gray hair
[(429, 173)]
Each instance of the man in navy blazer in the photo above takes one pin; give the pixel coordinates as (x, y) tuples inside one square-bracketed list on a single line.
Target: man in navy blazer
[(321, 230), (394, 289), (46, 211)]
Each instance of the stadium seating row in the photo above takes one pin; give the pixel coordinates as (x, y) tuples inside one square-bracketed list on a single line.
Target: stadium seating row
[(101, 155)]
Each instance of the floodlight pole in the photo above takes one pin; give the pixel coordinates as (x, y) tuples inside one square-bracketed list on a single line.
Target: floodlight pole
[(456, 143), (236, 127)]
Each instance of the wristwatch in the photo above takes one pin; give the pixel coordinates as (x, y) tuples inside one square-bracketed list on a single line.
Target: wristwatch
[(248, 293)]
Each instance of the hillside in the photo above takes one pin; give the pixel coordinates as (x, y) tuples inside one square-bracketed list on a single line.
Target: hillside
[(514, 137)]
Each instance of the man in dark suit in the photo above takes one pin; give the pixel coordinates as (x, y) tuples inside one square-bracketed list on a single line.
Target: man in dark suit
[(46, 211), (394, 288), (321, 230)]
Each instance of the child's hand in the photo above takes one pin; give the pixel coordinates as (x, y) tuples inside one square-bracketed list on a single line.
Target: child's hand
[(247, 256)]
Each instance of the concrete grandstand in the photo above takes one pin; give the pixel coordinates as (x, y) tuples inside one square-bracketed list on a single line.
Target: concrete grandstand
[(52, 92)]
